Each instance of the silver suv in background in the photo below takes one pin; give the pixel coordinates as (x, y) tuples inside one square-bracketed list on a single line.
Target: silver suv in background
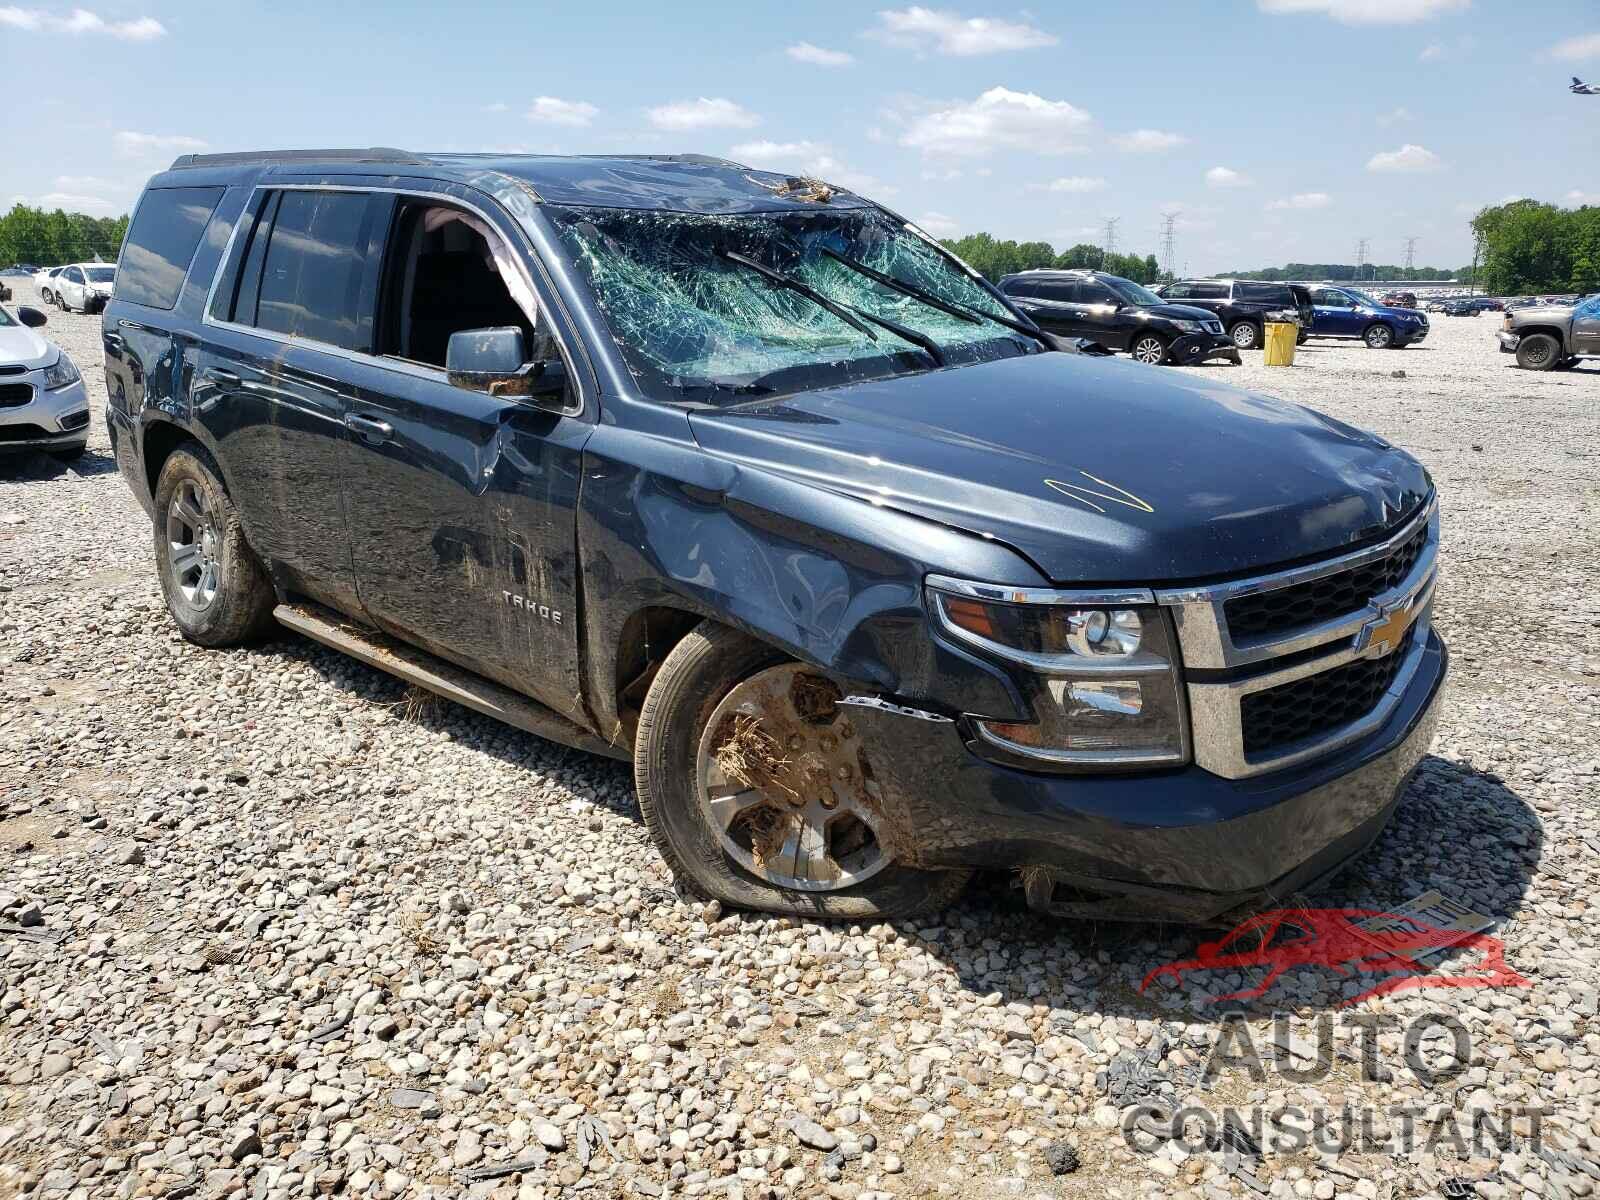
[(1552, 335)]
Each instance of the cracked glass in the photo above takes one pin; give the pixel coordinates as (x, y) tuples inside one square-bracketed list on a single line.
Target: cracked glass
[(695, 325)]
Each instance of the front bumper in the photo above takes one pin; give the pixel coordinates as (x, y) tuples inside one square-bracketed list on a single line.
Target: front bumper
[(1508, 341), (1183, 845), (51, 420), (1198, 347)]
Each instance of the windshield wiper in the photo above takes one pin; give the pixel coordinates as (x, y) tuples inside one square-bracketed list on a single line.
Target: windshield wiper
[(848, 313), (952, 307)]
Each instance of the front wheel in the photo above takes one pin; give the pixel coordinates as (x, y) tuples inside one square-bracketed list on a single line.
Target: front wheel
[(215, 587), (1245, 335), (1148, 348), (1378, 337), (1538, 352), (758, 791)]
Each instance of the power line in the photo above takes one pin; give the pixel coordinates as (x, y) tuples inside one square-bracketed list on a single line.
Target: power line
[(1169, 242), (1111, 235)]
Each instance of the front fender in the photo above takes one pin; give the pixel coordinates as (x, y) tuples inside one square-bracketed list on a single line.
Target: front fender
[(831, 580)]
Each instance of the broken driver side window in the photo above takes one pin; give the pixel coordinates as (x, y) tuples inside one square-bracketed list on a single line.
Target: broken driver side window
[(448, 271)]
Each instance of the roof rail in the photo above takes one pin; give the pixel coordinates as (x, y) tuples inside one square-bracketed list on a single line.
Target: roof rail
[(375, 154)]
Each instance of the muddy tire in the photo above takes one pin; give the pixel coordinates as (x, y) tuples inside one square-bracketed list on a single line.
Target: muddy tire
[(1538, 352), (702, 674), (215, 587)]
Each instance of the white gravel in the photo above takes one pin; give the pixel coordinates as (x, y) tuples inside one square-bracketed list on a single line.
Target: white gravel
[(310, 947)]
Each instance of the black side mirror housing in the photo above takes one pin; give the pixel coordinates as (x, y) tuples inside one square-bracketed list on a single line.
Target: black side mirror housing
[(494, 360), (30, 316)]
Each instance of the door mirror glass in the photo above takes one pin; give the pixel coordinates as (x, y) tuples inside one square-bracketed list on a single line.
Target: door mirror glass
[(30, 316), (494, 360)]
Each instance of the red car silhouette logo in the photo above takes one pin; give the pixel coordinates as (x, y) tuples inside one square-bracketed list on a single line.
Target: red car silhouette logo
[(1345, 940)]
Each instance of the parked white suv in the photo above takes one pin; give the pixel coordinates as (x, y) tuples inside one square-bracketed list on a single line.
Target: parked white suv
[(43, 404), (84, 286)]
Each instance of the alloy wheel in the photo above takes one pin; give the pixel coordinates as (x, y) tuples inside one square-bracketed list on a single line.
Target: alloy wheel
[(1244, 335), (1379, 336), (1149, 350), (785, 785), (194, 546)]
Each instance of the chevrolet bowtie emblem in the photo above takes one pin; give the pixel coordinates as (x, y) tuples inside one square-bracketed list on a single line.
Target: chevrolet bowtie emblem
[(1385, 631)]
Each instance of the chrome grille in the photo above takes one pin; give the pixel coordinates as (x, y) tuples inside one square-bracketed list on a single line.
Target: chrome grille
[(1280, 669)]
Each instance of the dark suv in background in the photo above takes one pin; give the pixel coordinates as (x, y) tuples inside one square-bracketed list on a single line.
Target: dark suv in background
[(1244, 305), (739, 478), (1118, 314)]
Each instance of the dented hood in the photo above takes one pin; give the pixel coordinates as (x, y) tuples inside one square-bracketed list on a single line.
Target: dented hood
[(1099, 470)]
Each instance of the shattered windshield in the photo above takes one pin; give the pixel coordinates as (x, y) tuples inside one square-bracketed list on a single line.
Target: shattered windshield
[(698, 307)]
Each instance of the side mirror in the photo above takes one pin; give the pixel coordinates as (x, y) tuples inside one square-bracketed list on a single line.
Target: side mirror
[(30, 316), (494, 360)]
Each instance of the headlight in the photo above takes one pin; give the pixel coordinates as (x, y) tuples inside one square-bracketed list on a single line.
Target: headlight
[(60, 373), (1099, 672), (1189, 326)]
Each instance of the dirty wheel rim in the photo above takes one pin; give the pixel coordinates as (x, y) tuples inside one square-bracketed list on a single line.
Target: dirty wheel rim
[(784, 784), (194, 546), (1244, 336), (1538, 352), (1378, 336), (1149, 350)]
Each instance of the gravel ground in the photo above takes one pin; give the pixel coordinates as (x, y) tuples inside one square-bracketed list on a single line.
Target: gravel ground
[(266, 929)]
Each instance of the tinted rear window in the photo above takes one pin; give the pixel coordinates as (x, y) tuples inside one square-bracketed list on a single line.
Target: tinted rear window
[(315, 263), (1019, 287), (1264, 293), (161, 242), (1209, 291)]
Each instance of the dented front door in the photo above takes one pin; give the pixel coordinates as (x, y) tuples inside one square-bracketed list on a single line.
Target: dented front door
[(462, 512)]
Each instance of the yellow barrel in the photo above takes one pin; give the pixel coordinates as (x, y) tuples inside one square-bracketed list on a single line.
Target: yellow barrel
[(1279, 349)]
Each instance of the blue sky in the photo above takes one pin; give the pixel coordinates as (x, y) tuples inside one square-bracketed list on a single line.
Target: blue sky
[(1278, 129)]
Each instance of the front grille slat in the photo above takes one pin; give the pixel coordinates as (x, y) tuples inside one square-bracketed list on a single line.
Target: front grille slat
[(15, 395), (23, 433), (1318, 703), (1268, 614)]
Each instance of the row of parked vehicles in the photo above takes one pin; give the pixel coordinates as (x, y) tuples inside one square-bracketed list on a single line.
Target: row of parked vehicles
[(84, 287), (1192, 320)]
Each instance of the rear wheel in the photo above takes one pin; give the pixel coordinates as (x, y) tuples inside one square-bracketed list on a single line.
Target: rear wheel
[(1148, 348), (758, 791), (1378, 337), (216, 589), (1538, 352), (1245, 334)]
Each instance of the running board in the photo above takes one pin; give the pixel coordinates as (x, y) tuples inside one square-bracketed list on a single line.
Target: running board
[(443, 679)]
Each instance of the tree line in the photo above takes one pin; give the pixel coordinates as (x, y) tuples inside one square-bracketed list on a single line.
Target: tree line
[(1526, 246), (992, 258), (1348, 273), (48, 239)]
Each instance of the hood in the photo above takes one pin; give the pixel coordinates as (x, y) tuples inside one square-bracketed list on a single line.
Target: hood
[(1542, 314), (1179, 312), (19, 344), (1099, 470)]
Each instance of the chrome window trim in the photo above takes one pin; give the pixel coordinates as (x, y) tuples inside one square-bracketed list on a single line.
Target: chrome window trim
[(385, 361), (1202, 622)]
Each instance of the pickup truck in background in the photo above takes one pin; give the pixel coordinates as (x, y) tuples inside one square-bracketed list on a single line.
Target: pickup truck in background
[(743, 479), (1549, 336)]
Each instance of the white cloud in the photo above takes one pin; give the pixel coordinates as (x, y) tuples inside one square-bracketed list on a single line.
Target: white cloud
[(81, 21), (1226, 177), (937, 224), (89, 183), (1395, 116), (817, 56), (151, 145), (499, 106), (1369, 12), (1147, 141), (1407, 158), (1432, 52), (945, 32), (1075, 183), (1578, 198), (704, 113), (813, 159), (551, 110), (999, 119), (74, 202), (1577, 49), (1303, 200)]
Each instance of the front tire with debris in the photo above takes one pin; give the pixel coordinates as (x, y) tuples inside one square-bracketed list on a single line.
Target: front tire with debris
[(755, 786)]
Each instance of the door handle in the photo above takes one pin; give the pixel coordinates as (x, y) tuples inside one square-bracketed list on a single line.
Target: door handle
[(223, 377), (370, 428)]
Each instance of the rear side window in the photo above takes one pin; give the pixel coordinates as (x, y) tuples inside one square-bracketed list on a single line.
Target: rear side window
[(1178, 291), (1209, 291), (314, 267), (1026, 288), (161, 242), (1264, 293)]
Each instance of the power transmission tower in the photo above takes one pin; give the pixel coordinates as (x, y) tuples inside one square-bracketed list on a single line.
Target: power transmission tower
[(1169, 243), (1361, 257), (1411, 254), (1111, 235)]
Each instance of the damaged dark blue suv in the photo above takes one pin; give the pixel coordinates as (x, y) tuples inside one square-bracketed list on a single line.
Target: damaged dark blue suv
[(744, 479)]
